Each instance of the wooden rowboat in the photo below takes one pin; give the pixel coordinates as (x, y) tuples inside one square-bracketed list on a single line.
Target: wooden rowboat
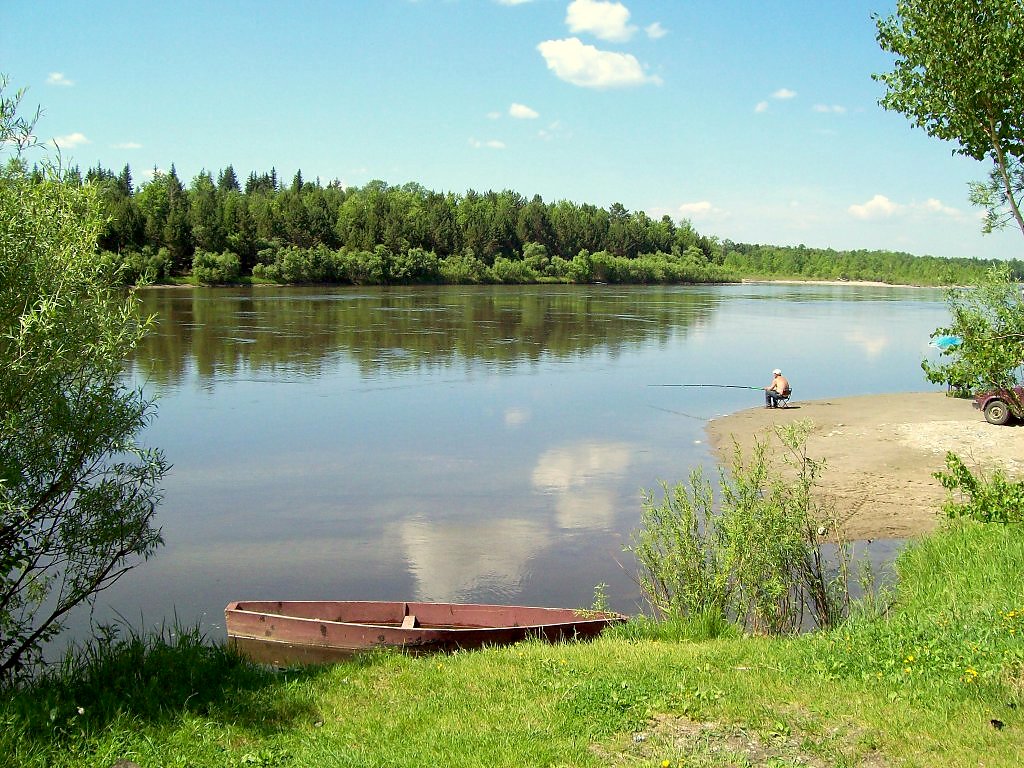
[(310, 632)]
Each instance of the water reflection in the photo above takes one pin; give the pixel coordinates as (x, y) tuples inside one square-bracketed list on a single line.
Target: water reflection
[(582, 478), (482, 560), (223, 332), (485, 443)]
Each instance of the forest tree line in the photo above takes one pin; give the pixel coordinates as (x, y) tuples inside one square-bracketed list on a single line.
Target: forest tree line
[(218, 229)]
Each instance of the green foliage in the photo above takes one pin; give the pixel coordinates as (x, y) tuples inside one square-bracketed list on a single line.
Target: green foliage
[(988, 316), (77, 494), (215, 267), (757, 559), (508, 271), (381, 234), (994, 499), (463, 268), (139, 267), (959, 74), (805, 263)]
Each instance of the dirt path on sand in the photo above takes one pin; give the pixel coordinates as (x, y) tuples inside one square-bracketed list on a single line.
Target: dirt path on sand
[(881, 451)]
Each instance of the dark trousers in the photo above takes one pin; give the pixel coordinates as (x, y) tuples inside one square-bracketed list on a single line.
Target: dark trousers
[(771, 398)]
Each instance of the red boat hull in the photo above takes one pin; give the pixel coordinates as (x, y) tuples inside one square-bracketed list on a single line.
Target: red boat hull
[(315, 632)]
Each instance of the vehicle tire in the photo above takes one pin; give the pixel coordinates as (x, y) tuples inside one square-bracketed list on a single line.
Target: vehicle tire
[(997, 412)]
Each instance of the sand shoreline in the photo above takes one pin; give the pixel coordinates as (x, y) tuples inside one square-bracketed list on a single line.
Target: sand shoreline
[(881, 452)]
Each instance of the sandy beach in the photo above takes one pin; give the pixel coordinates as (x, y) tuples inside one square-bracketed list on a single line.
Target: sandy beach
[(881, 451)]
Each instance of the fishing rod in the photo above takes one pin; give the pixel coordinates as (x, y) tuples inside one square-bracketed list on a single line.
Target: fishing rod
[(717, 386)]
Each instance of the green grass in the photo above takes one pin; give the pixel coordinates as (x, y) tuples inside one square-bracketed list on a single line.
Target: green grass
[(893, 691)]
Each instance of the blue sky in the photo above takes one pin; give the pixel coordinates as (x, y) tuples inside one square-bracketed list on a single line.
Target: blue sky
[(757, 121)]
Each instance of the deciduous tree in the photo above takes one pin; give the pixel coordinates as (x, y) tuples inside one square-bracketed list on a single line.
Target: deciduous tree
[(988, 318), (78, 495), (959, 75)]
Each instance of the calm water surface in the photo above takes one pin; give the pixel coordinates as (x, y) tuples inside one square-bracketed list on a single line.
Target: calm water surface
[(484, 444)]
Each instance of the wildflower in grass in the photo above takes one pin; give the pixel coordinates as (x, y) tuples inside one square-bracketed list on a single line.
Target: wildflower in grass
[(665, 764), (971, 675)]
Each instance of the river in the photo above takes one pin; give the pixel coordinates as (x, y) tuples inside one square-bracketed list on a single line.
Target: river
[(478, 444)]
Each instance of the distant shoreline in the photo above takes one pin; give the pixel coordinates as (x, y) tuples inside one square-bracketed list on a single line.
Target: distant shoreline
[(866, 283)]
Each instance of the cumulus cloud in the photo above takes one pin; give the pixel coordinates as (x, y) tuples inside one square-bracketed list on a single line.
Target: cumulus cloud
[(931, 205), (57, 78), (522, 112), (783, 94), (605, 20), (878, 207), (586, 66), (655, 31), (489, 144), (71, 141), (700, 210), (834, 109)]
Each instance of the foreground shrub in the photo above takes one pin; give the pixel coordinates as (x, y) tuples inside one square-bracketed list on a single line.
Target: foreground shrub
[(993, 499), (758, 560)]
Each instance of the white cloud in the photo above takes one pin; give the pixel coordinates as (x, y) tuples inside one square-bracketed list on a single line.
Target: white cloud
[(931, 205), (513, 2), (834, 109), (489, 144), (784, 93), (762, 106), (128, 145), (494, 115), (71, 141), (586, 66), (878, 207), (522, 112), (555, 130), (605, 20), (57, 78), (655, 31), (702, 210)]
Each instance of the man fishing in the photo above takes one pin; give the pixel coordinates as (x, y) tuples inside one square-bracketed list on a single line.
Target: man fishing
[(778, 390)]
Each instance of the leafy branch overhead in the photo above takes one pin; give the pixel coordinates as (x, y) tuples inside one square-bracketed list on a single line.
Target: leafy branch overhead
[(959, 75)]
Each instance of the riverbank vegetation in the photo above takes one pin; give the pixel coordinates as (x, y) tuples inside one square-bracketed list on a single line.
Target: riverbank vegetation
[(935, 679), (78, 494), (218, 230)]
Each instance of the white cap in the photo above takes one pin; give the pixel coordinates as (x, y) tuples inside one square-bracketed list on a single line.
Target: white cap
[(776, 372)]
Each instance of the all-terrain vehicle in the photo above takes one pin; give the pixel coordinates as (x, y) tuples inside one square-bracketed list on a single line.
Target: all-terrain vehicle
[(1000, 405)]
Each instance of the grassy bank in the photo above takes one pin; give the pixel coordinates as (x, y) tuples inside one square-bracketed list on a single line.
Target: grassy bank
[(935, 681)]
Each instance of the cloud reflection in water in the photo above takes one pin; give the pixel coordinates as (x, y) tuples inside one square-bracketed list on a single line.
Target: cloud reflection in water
[(454, 562), (582, 476)]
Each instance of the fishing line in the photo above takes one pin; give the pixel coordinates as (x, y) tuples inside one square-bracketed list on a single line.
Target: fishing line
[(679, 413), (718, 386)]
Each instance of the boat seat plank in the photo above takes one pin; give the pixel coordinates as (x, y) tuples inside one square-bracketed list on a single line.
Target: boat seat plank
[(409, 622)]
